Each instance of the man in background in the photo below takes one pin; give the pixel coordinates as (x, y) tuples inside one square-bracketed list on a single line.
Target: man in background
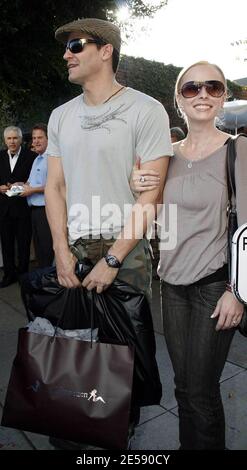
[(34, 191), (15, 219), (177, 134)]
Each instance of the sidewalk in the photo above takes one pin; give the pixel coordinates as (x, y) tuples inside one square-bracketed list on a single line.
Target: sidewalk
[(158, 428)]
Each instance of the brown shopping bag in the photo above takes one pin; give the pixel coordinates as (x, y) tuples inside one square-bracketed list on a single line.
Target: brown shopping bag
[(71, 389)]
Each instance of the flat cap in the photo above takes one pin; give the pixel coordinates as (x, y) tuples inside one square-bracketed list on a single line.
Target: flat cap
[(105, 30)]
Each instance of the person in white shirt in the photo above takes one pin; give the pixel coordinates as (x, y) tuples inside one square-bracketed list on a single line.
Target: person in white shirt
[(15, 221)]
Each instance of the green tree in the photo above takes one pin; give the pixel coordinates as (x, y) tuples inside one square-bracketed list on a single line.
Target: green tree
[(33, 79), (158, 80), (234, 90)]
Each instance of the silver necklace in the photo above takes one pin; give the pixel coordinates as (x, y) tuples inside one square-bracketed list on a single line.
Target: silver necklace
[(190, 164), (195, 160)]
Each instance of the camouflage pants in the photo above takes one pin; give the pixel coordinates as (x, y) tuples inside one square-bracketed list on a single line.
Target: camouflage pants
[(137, 266)]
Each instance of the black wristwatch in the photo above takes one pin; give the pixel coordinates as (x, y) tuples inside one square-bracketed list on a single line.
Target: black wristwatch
[(112, 261)]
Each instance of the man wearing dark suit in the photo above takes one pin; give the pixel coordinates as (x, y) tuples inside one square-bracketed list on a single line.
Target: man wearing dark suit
[(15, 220)]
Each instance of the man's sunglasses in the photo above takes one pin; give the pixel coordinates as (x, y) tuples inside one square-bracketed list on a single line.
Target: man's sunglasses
[(77, 45), (213, 88)]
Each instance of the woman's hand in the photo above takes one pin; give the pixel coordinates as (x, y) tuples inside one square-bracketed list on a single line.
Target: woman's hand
[(144, 180), (229, 310)]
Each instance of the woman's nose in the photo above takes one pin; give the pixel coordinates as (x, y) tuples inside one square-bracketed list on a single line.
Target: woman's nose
[(203, 92)]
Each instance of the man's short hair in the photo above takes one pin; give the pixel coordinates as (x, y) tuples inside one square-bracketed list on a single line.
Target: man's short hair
[(12, 129), (40, 126), (177, 132), (115, 56)]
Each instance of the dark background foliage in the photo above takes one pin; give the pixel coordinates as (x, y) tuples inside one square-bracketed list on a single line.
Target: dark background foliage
[(158, 80), (33, 78)]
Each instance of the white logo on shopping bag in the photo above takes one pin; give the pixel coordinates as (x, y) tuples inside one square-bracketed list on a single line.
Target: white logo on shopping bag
[(93, 395), (60, 391)]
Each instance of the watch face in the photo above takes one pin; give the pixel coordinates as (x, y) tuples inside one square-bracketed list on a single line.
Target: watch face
[(112, 261)]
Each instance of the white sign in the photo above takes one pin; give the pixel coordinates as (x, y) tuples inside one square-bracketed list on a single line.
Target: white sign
[(239, 263)]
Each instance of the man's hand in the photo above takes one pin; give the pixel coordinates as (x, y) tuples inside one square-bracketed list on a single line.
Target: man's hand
[(229, 310), (3, 188), (65, 264), (100, 277), (27, 190)]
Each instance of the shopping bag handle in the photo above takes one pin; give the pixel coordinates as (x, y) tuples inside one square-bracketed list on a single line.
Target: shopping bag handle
[(91, 295)]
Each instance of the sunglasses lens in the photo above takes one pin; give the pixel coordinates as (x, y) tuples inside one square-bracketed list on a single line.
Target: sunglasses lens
[(215, 88), (189, 90), (75, 46)]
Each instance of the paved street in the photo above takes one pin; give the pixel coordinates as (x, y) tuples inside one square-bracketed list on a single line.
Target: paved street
[(158, 428)]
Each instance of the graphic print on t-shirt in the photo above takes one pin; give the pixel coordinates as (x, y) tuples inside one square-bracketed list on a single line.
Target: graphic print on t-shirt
[(94, 122)]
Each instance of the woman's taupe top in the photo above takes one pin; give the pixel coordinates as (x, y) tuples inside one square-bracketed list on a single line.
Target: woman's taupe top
[(199, 189)]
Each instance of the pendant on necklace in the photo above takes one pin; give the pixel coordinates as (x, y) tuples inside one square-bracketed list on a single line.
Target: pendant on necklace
[(189, 165)]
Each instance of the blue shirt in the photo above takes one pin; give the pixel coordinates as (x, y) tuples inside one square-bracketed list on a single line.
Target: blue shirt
[(38, 177)]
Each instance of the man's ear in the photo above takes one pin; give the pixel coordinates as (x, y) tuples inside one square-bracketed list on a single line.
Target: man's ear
[(107, 51)]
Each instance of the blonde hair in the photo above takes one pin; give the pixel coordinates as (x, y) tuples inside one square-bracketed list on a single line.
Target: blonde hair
[(185, 70)]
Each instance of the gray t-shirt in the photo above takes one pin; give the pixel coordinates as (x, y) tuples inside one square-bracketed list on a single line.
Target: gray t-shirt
[(200, 192), (98, 146)]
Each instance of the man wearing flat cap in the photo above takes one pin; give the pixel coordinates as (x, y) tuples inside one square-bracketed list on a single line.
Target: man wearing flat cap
[(93, 142)]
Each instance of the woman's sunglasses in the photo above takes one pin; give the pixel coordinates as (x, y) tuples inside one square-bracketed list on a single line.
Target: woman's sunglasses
[(213, 88), (77, 45)]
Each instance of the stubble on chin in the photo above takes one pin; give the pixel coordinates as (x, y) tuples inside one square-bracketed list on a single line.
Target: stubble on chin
[(75, 80)]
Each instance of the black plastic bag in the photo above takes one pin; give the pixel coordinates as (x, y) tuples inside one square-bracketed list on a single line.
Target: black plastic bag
[(121, 313)]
